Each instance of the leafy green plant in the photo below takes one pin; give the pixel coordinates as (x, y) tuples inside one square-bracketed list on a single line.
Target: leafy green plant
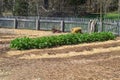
[(22, 43), (53, 41)]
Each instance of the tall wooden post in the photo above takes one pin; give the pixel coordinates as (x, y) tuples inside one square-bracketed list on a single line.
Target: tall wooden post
[(15, 24), (101, 16), (119, 18), (119, 10), (62, 26), (37, 24)]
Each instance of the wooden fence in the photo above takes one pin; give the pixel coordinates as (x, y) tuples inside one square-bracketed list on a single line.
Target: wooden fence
[(64, 24)]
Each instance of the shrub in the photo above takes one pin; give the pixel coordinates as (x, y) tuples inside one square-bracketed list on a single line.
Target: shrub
[(53, 41)]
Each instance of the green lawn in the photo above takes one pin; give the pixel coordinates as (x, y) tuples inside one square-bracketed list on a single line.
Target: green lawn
[(112, 15)]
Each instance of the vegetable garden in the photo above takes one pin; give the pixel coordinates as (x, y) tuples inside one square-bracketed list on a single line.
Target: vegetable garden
[(57, 53)]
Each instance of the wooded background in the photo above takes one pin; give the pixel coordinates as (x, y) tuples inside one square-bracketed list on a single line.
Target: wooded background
[(57, 8)]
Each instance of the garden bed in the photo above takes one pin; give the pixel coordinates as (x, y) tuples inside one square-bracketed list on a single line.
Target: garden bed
[(60, 40), (93, 61)]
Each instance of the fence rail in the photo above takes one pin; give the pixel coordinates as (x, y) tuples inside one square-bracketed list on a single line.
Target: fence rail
[(64, 24)]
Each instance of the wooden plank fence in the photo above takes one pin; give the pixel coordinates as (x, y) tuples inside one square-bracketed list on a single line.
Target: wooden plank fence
[(64, 24)]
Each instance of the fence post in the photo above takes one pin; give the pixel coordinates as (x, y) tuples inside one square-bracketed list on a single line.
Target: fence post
[(62, 26), (15, 24), (37, 24), (118, 24)]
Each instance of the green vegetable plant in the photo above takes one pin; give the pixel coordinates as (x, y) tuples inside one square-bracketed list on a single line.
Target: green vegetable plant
[(55, 41)]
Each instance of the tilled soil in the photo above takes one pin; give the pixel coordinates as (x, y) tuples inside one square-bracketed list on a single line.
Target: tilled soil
[(100, 66), (103, 66)]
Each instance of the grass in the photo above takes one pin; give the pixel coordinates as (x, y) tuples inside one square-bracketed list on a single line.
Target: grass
[(111, 15), (93, 15)]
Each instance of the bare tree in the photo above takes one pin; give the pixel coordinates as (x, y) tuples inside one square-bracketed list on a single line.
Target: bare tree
[(1, 7), (46, 7), (119, 10)]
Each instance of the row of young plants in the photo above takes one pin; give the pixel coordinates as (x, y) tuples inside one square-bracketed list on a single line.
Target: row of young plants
[(54, 41)]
